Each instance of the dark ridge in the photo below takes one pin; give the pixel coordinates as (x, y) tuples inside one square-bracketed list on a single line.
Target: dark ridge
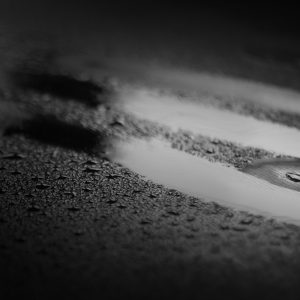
[(59, 85), (49, 130)]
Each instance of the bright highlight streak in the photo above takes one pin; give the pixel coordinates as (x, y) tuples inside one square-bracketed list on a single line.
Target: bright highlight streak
[(200, 178), (208, 121)]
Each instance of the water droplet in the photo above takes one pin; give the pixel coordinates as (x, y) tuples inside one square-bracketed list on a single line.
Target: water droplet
[(282, 172), (62, 177), (152, 196), (190, 218), (122, 206), (73, 194), (92, 170), (209, 149), (78, 232), (73, 208), (111, 201), (224, 226), (246, 221), (202, 179), (13, 156), (295, 177), (55, 153), (239, 228), (174, 223), (42, 186), (15, 172), (118, 122), (29, 195), (90, 162), (145, 221), (33, 208), (36, 178), (173, 213), (190, 236), (112, 176)]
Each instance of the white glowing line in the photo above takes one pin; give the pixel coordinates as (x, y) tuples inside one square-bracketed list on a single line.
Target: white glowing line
[(199, 119), (200, 178), (192, 82), (272, 96)]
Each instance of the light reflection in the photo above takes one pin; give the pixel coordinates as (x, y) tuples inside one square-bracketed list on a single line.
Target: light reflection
[(188, 115), (281, 172), (193, 83), (210, 181)]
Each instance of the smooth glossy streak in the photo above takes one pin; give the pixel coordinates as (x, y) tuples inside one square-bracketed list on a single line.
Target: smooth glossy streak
[(188, 81), (197, 83), (167, 109), (281, 172), (210, 181), (154, 75)]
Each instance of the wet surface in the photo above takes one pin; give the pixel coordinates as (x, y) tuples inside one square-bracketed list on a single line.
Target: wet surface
[(279, 172), (295, 177), (65, 231), (211, 181), (187, 114), (75, 225)]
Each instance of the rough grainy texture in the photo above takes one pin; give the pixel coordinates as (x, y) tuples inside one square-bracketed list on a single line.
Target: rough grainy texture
[(74, 225), (67, 231)]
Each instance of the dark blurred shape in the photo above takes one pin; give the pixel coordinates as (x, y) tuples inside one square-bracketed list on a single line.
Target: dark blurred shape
[(13, 156), (49, 130), (11, 115), (286, 56), (59, 85), (295, 177)]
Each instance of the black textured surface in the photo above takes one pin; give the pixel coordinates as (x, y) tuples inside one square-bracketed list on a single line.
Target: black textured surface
[(74, 225), (58, 85)]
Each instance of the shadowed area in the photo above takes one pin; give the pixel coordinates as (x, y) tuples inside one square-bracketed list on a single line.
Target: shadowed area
[(48, 129), (151, 219), (287, 56), (59, 85), (10, 115)]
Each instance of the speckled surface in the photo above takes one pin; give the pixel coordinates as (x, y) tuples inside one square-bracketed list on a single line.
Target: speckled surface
[(74, 225)]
